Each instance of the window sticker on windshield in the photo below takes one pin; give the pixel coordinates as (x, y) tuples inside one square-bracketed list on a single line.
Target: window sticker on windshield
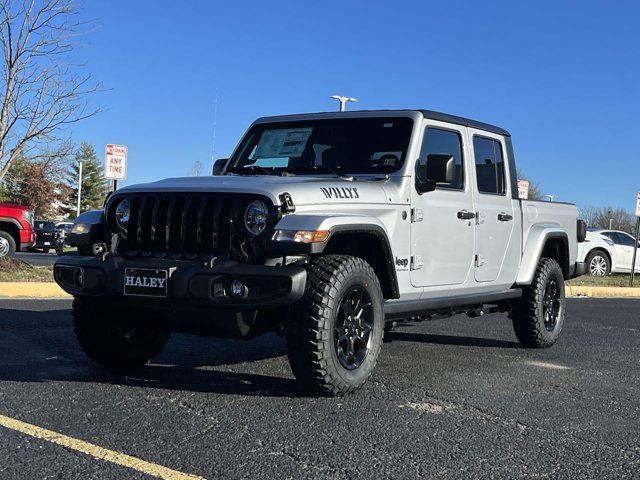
[(286, 142)]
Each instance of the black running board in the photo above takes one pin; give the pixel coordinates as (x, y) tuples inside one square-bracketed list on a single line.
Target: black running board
[(400, 310)]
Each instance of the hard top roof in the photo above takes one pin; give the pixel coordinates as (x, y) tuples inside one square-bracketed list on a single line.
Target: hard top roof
[(430, 114)]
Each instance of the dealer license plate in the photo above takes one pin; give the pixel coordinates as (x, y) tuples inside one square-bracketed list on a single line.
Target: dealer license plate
[(146, 282)]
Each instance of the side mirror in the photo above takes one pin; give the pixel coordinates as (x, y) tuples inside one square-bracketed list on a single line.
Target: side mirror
[(439, 168), (218, 166)]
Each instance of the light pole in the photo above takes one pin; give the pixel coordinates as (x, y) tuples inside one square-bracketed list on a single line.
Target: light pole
[(551, 198), (79, 187), (610, 220), (343, 101)]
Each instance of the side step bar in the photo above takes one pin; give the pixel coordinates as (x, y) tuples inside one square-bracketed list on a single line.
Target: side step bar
[(401, 310)]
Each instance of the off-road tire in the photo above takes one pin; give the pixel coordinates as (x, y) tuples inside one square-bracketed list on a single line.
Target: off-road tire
[(598, 253), (528, 311), (311, 326), (99, 330), (11, 244)]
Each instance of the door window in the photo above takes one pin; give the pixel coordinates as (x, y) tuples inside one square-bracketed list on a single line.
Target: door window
[(489, 165), (624, 239), (437, 141)]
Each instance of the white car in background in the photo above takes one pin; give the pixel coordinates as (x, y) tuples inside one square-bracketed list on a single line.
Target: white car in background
[(607, 251)]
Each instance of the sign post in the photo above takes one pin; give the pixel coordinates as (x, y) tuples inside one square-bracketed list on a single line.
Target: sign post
[(635, 247), (115, 163)]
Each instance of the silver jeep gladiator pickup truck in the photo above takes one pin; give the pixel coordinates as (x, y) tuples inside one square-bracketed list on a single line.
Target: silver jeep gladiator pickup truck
[(327, 228)]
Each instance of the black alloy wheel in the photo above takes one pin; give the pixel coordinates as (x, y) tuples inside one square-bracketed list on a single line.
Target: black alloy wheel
[(354, 324)]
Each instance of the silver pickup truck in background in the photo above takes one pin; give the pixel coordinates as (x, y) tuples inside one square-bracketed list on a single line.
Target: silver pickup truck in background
[(328, 228)]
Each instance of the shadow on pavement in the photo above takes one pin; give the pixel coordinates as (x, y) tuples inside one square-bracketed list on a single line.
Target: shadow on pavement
[(40, 346), (449, 340)]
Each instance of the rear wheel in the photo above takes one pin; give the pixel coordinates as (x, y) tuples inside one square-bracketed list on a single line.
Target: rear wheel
[(114, 339), (334, 334), (538, 316), (7, 245), (598, 263)]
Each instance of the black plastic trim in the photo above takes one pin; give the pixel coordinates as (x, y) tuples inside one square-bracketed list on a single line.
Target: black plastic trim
[(276, 249), (400, 310), (188, 281)]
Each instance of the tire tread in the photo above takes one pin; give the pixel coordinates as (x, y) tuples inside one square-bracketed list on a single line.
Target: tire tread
[(308, 336)]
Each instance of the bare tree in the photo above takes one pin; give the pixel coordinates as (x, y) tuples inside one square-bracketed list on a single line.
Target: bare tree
[(40, 93), (196, 170), (608, 217), (589, 214)]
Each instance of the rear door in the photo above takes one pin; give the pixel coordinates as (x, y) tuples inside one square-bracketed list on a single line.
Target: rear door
[(494, 206), (623, 250)]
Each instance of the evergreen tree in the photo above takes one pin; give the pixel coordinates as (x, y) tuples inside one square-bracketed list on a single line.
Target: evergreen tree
[(94, 185)]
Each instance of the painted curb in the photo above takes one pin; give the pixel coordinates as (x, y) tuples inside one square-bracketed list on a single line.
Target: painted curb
[(602, 292), (31, 290), (52, 290)]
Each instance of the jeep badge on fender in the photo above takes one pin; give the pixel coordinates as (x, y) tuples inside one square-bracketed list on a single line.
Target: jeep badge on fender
[(304, 231)]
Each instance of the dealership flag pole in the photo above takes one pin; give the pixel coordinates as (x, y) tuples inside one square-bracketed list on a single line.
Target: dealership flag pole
[(635, 247)]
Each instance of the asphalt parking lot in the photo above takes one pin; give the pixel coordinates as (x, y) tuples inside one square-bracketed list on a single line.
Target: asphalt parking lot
[(453, 398), (37, 259)]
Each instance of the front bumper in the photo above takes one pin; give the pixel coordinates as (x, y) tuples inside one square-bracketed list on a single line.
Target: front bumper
[(27, 239), (265, 286)]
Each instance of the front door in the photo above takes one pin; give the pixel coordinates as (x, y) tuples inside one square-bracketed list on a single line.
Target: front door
[(495, 214), (442, 220)]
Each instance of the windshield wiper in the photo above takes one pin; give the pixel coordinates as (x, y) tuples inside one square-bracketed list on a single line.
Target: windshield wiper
[(251, 170), (335, 172)]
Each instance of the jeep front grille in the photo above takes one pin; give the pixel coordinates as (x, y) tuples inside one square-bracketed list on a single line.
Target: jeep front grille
[(181, 226)]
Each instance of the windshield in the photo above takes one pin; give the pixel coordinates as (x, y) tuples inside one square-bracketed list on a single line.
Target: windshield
[(40, 225), (337, 146)]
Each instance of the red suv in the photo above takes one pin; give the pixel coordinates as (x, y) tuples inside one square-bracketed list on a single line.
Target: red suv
[(16, 228)]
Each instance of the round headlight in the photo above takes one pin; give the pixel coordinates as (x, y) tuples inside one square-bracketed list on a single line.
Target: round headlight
[(122, 214), (255, 217)]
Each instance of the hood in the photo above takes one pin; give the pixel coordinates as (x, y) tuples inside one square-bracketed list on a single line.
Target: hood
[(303, 190)]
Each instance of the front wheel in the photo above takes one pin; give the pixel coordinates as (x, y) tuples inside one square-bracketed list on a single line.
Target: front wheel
[(113, 338), (7, 245), (334, 333), (538, 316)]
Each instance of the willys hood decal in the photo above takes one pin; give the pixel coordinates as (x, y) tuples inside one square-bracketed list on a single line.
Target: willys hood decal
[(303, 190)]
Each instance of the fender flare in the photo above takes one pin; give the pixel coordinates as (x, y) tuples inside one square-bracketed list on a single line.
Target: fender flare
[(12, 221), (337, 225), (538, 237)]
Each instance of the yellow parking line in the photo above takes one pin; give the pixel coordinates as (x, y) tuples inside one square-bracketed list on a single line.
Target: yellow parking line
[(95, 451)]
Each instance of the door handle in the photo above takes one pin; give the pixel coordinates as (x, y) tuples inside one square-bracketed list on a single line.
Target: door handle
[(465, 215), (505, 217)]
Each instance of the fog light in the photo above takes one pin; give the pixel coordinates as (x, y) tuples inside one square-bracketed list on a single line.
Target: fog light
[(238, 289)]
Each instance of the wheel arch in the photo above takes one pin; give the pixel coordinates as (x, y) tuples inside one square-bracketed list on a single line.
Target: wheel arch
[(13, 230), (372, 245), (545, 242)]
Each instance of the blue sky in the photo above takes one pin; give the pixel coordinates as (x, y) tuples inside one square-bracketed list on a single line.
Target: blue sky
[(562, 76)]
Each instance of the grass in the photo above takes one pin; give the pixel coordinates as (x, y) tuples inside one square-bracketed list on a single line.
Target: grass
[(12, 270), (615, 280)]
